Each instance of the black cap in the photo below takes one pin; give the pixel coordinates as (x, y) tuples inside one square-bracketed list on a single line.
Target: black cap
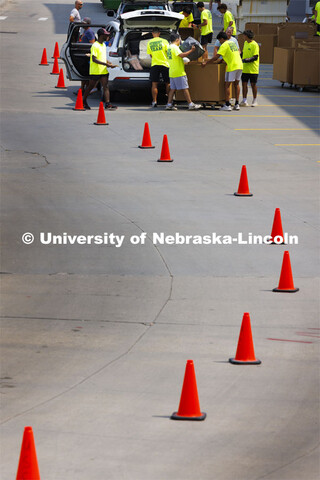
[(102, 31)]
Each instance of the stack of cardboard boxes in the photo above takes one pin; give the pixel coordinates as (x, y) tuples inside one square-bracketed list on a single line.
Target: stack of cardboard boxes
[(271, 35), (291, 47), (297, 59)]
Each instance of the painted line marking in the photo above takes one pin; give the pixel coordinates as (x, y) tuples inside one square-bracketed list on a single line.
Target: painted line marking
[(311, 106), (266, 116), (297, 144), (285, 340), (277, 129), (291, 96), (3, 18), (42, 19)]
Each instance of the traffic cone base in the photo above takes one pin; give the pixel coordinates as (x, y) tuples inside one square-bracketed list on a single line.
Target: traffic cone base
[(165, 161), (243, 194), (146, 140), (293, 290), (175, 416), (238, 362), (96, 123)]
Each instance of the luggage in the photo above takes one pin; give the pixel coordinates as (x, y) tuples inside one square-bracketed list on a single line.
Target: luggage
[(187, 44)]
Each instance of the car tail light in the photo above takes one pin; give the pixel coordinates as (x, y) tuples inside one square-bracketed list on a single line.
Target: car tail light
[(114, 54)]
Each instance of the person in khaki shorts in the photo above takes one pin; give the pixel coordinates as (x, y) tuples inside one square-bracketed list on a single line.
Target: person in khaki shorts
[(231, 55), (177, 73)]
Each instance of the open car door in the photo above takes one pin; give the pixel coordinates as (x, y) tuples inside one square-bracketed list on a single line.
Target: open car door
[(75, 54)]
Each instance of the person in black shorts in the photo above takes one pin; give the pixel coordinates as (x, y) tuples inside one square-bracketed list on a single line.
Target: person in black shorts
[(157, 48), (206, 28), (250, 60)]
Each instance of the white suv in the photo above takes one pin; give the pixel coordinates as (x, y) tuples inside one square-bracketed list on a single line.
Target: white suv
[(127, 47)]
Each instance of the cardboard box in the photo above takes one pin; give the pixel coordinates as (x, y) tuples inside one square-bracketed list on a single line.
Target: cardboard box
[(268, 29), (205, 84), (260, 28), (286, 30), (266, 44), (283, 64), (189, 32), (254, 26), (306, 68)]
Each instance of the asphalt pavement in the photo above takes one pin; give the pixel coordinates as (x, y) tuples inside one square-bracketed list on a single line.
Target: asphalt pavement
[(95, 338)]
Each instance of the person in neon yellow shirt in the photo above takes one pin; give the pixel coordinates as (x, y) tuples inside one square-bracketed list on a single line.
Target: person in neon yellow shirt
[(250, 60), (317, 17), (231, 55), (206, 28), (98, 69), (157, 48), (177, 73), (228, 19), (188, 18)]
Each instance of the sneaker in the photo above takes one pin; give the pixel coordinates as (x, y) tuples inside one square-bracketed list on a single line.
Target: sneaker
[(171, 107), (154, 105), (236, 107), (86, 106), (254, 103), (109, 106), (244, 103), (194, 106), (226, 108)]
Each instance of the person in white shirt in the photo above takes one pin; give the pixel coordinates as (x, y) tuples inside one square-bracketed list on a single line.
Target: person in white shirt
[(74, 14), (229, 32)]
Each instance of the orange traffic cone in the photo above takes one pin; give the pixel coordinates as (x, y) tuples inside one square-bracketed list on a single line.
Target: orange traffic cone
[(55, 69), (243, 189), (56, 53), (245, 351), (44, 60), (277, 230), (286, 279), (60, 83), (79, 101), (165, 152), (189, 407), (101, 120), (28, 465), (146, 140)]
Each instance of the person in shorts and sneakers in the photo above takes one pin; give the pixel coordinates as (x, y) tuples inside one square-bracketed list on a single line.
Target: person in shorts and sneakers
[(250, 60), (177, 73), (157, 48), (98, 69), (231, 55), (206, 28)]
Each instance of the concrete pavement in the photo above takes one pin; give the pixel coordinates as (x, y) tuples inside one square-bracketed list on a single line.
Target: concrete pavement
[(95, 338)]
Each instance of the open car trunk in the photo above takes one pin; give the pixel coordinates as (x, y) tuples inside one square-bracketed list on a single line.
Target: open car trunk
[(135, 57)]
